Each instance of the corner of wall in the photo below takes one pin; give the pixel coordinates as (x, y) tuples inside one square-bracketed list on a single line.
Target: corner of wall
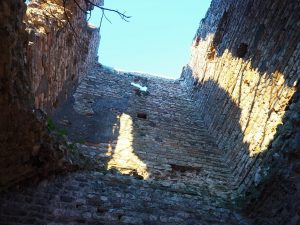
[(246, 67)]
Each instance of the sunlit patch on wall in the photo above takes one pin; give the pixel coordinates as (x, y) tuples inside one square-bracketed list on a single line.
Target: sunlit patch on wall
[(260, 97), (123, 157)]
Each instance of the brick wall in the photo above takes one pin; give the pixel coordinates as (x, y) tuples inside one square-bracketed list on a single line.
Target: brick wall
[(19, 130), (58, 53), (36, 68), (243, 72)]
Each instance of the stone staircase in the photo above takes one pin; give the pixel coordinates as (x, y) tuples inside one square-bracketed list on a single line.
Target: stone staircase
[(155, 161)]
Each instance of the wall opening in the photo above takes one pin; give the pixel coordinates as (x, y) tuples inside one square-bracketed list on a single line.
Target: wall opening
[(242, 50), (142, 115), (149, 44)]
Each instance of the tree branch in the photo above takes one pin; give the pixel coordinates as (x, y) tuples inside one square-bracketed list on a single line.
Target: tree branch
[(101, 20), (122, 15), (86, 12), (106, 17), (80, 7), (69, 22)]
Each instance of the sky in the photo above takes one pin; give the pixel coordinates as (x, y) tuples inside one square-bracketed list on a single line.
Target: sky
[(157, 38)]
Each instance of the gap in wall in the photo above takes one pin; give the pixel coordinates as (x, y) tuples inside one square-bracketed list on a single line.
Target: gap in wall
[(157, 38)]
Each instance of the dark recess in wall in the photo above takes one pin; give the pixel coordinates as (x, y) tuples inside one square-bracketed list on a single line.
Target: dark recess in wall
[(142, 115), (242, 50)]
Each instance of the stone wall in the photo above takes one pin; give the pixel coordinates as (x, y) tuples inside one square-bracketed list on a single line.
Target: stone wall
[(13, 79), (243, 73), (60, 50), (21, 134), (276, 200), (35, 73)]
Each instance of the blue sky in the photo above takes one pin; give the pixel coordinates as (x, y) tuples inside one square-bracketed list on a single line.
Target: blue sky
[(157, 39)]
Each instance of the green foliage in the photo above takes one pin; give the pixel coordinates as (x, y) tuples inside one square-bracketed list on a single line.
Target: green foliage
[(62, 132), (71, 146), (50, 124), (54, 128)]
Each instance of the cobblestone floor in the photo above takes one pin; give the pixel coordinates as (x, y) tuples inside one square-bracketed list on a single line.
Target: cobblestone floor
[(155, 161)]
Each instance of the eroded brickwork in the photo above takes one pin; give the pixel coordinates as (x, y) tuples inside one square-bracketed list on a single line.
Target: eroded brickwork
[(58, 54), (148, 163), (19, 131), (245, 63), (243, 74), (36, 72), (279, 200), (164, 156)]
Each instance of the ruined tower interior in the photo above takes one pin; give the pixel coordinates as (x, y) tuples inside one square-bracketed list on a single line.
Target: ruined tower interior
[(81, 143)]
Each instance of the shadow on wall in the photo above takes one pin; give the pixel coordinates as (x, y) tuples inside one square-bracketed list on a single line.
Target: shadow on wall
[(104, 123), (244, 73), (124, 151), (124, 156), (222, 117), (245, 31), (249, 59), (268, 180)]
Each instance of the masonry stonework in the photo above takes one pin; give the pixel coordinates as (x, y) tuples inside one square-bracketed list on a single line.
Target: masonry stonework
[(245, 72), (21, 132), (148, 162), (218, 146), (37, 67), (60, 49)]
